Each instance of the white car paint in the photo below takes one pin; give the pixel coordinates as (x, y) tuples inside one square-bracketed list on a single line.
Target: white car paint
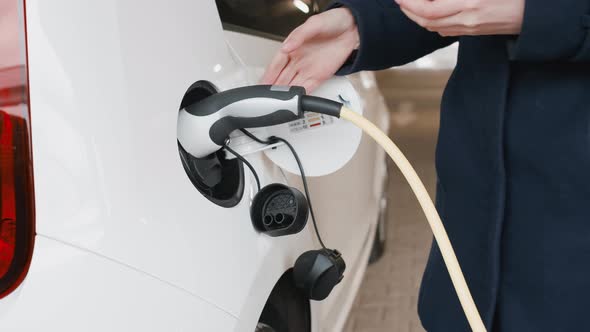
[(125, 242), (72, 289)]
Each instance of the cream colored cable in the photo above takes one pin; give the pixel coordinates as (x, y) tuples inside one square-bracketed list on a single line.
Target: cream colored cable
[(440, 234)]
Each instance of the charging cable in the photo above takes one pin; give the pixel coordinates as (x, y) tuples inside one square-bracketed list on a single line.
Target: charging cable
[(438, 229), (246, 162), (434, 220)]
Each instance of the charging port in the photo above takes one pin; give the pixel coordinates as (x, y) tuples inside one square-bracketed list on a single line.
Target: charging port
[(278, 210), (268, 220), (218, 179), (279, 218)]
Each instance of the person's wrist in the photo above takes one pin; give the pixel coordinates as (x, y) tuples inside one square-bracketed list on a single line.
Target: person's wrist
[(356, 38), (353, 38), (352, 31), (352, 45)]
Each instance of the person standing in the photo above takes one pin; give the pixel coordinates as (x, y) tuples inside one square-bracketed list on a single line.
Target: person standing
[(513, 154)]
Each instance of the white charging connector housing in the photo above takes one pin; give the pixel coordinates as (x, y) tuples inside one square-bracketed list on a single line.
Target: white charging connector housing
[(325, 144)]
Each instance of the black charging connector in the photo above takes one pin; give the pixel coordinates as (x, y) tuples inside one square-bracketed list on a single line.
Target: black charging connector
[(275, 139), (281, 210), (278, 210)]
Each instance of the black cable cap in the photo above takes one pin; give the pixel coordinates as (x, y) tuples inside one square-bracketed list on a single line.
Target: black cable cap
[(279, 210), (317, 272)]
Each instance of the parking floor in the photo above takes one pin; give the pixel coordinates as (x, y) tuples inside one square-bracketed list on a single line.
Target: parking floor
[(388, 297)]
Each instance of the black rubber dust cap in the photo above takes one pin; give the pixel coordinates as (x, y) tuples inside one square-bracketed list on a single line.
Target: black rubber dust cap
[(279, 210)]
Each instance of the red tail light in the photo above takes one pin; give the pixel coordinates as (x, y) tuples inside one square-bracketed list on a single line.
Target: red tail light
[(17, 223)]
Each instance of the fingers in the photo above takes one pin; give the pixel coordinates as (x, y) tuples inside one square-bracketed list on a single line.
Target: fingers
[(464, 20), (298, 80), (310, 85), (275, 68), (276, 72), (457, 22), (480, 30), (427, 9), (452, 33), (311, 28), (287, 75), (421, 21)]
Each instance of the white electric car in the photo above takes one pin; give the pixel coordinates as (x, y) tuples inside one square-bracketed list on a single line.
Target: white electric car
[(105, 224)]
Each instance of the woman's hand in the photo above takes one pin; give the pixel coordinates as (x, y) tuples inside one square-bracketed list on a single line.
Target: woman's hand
[(466, 17), (314, 51)]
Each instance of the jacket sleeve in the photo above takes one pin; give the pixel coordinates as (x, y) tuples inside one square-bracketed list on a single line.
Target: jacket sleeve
[(553, 31), (387, 37)]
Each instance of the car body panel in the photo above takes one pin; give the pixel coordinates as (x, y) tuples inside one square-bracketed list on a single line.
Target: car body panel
[(71, 289), (106, 81), (105, 89)]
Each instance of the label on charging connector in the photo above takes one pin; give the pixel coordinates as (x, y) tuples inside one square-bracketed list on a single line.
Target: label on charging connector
[(245, 146), (324, 143), (310, 120)]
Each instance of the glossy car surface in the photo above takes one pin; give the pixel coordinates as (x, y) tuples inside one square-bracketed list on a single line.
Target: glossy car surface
[(124, 240)]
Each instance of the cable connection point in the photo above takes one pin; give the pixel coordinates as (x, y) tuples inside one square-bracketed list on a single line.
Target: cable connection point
[(320, 105)]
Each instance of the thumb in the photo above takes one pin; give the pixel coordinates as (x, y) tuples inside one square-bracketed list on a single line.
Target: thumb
[(303, 33)]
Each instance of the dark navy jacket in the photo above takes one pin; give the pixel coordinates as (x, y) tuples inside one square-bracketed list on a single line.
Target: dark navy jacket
[(513, 164)]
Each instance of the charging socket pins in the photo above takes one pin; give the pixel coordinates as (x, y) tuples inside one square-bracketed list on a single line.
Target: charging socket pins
[(279, 210)]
